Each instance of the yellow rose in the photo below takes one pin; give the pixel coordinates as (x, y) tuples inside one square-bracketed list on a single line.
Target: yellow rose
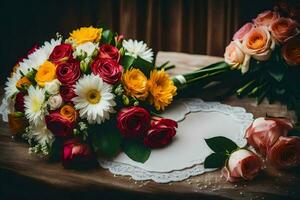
[(46, 73), (135, 84), (86, 34), (161, 89)]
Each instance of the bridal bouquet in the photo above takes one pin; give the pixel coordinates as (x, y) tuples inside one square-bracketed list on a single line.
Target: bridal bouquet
[(91, 94), (263, 59)]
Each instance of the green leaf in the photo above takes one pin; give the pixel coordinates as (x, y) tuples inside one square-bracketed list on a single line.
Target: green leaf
[(221, 144), (135, 150), (127, 61), (215, 160), (19, 114), (107, 36), (107, 142), (145, 66), (277, 73)]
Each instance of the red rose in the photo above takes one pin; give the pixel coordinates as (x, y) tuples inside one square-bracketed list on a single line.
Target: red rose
[(61, 53), (19, 104), (76, 154), (133, 121), (109, 70), (59, 125), (68, 73), (67, 93), (160, 133), (109, 51)]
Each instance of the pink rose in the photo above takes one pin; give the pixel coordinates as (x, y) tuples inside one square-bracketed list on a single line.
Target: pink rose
[(285, 153), (160, 133), (242, 164), (76, 154), (235, 57), (133, 121), (239, 35), (266, 18), (109, 70), (263, 133), (258, 43), (109, 51), (283, 28)]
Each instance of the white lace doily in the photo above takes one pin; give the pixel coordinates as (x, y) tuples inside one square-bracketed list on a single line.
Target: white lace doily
[(185, 156)]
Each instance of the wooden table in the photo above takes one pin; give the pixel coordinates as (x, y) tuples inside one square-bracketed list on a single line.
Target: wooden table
[(26, 176)]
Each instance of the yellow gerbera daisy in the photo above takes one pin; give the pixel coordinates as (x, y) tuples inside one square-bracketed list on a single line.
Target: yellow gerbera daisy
[(135, 84), (161, 89), (86, 34)]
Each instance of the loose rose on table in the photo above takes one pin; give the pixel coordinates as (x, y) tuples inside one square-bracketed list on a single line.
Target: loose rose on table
[(285, 153), (242, 165), (264, 132), (160, 132), (237, 163)]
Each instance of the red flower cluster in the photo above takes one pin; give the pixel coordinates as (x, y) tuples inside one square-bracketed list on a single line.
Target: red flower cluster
[(136, 122)]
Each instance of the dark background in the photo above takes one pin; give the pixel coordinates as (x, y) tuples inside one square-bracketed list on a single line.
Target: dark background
[(193, 26)]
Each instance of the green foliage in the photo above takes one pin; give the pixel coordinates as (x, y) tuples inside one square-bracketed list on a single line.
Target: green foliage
[(107, 36), (222, 148), (136, 150), (106, 139)]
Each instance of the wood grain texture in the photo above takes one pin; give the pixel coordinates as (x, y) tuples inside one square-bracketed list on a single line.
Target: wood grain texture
[(27, 176)]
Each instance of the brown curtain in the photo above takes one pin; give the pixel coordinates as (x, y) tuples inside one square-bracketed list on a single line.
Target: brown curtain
[(193, 26)]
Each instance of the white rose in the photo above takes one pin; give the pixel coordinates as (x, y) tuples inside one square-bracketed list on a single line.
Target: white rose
[(55, 101), (52, 87), (235, 57), (88, 48)]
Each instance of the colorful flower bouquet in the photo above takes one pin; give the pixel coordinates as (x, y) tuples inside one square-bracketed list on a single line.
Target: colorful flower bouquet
[(91, 94), (262, 60)]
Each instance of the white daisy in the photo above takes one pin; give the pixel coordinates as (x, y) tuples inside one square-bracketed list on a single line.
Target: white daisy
[(38, 57), (94, 100), (138, 48), (87, 48), (40, 133), (10, 85), (35, 105)]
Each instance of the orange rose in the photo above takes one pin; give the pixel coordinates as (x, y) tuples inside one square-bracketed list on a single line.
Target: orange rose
[(258, 43), (283, 28), (23, 82), (16, 124), (68, 112), (266, 18), (285, 153), (291, 51)]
